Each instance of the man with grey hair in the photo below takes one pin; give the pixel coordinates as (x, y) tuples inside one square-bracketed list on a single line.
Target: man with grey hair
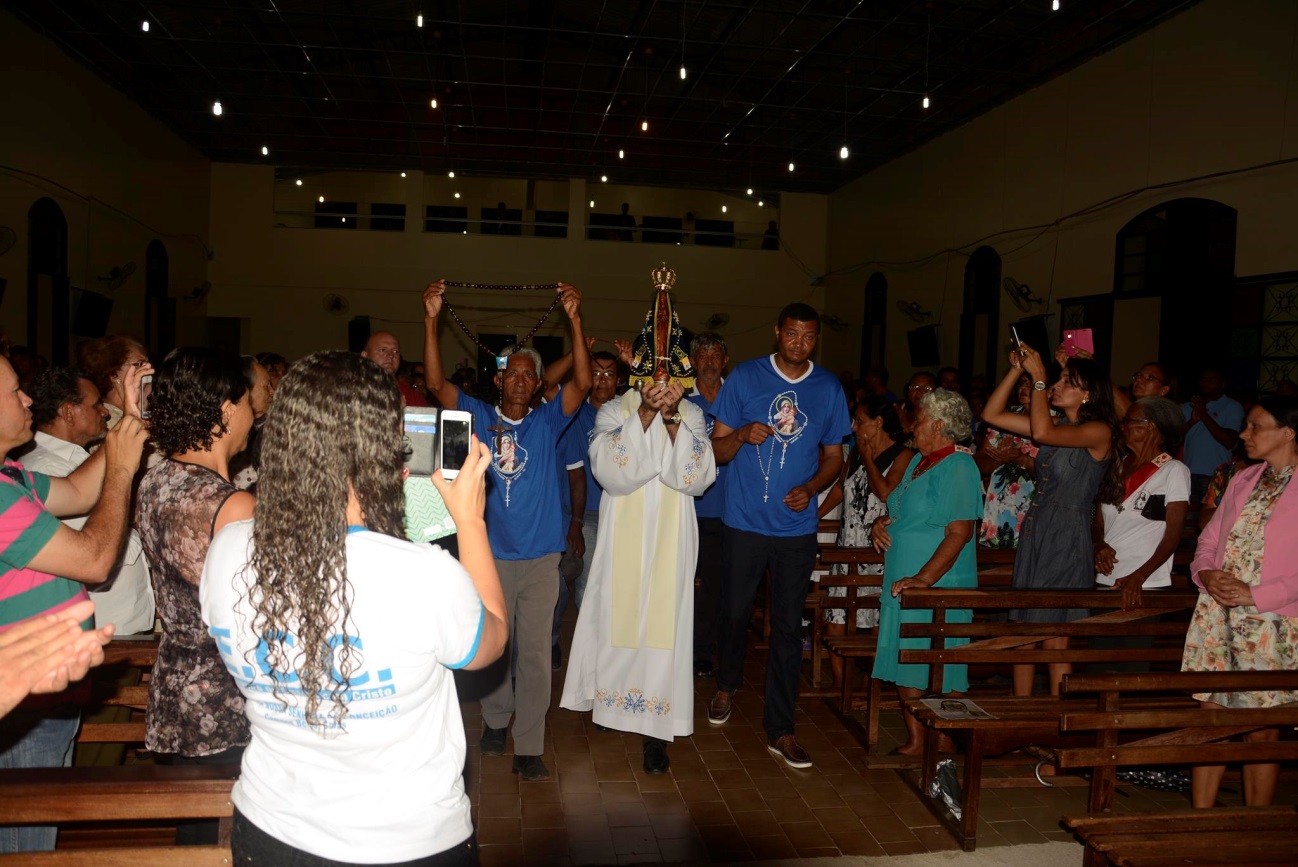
[(384, 349), (525, 521), (710, 357)]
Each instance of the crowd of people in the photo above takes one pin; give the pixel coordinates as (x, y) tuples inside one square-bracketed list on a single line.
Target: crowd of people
[(309, 636)]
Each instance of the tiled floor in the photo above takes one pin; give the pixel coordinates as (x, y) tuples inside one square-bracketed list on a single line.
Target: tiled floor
[(727, 799)]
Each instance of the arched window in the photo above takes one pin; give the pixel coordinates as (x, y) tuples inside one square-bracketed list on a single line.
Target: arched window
[(1182, 251), (980, 341), (159, 306), (874, 322), (48, 296)]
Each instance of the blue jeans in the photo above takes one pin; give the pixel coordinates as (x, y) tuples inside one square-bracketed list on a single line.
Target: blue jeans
[(36, 739), (589, 532)]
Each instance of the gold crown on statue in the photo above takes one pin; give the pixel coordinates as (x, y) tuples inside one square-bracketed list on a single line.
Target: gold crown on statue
[(663, 277)]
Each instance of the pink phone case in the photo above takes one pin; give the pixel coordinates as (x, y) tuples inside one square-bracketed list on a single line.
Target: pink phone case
[(1078, 338)]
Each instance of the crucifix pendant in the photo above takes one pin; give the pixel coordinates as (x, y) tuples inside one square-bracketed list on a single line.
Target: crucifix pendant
[(784, 448), (507, 483)]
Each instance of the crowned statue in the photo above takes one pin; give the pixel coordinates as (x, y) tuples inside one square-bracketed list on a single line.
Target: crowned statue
[(659, 354)]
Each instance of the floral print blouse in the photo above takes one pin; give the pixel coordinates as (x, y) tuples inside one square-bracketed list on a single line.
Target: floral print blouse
[(194, 707)]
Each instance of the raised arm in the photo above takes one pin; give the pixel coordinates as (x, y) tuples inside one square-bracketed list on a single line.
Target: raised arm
[(434, 374), (997, 411), (577, 390), (1093, 435)]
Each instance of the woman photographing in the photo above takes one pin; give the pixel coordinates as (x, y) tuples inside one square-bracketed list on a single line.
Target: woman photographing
[(342, 635)]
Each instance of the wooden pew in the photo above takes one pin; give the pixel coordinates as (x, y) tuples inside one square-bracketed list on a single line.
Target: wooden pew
[(56, 796), (1220, 838), (1027, 721), (1168, 736)]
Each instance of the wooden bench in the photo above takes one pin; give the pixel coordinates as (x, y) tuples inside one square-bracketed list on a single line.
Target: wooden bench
[(1026, 721), (1171, 736), (1207, 838), (57, 796)]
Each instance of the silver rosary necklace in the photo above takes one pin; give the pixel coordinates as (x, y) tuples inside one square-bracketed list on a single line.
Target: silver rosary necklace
[(766, 470)]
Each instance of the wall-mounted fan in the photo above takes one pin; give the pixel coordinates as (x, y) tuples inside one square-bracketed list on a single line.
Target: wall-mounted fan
[(114, 279), (8, 237), (336, 304), (1020, 294), (914, 310), (716, 320), (199, 292)]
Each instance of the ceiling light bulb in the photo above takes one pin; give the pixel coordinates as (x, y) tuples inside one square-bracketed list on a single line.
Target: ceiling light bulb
[(450, 174), (403, 174), (603, 179), (790, 166), (265, 151), (682, 72), (457, 195), (621, 153), (419, 20), (1054, 6), (216, 108), (432, 103), (750, 191), (592, 203), (344, 219), (761, 204), (298, 182), (322, 200), (925, 102), (723, 209), (145, 25), (842, 152), (644, 126)]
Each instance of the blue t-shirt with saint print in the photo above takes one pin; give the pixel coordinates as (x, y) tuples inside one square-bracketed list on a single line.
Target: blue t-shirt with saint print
[(805, 413), (525, 519)]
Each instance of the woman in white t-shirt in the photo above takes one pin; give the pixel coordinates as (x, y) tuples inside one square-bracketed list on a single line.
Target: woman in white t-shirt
[(322, 588), (1135, 540)]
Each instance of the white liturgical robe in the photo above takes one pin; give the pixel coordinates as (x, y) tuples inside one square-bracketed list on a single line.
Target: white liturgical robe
[(632, 660)]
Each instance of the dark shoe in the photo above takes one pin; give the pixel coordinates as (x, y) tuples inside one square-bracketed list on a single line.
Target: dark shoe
[(703, 668), (655, 756), (600, 728), (531, 768), (719, 708), (556, 658), (786, 747), (493, 741)]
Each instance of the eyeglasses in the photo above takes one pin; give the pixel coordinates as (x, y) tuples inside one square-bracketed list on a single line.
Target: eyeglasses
[(606, 374), (921, 389)]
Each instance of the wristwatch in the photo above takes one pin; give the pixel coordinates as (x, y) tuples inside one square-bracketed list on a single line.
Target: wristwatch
[(1039, 385), (674, 418)]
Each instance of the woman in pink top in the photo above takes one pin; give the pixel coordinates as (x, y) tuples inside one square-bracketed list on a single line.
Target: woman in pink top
[(1247, 616)]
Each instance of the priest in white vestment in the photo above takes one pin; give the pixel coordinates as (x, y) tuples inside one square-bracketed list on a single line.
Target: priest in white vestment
[(632, 653)]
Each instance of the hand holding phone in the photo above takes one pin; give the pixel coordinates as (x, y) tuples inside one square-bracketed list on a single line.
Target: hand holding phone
[(420, 425), (1079, 341)]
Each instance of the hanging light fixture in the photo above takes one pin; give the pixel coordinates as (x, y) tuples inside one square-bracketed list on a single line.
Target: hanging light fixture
[(644, 126), (457, 195), (842, 152), (723, 209), (450, 174), (265, 151), (925, 103), (419, 20), (1054, 7), (298, 182), (790, 166), (145, 24), (321, 200), (403, 174), (216, 108), (750, 191), (928, 33), (592, 203), (432, 103), (603, 179), (620, 153), (761, 204)]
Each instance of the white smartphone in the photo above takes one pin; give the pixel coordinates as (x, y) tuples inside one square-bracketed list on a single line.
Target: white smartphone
[(146, 389), (420, 424), (454, 433)]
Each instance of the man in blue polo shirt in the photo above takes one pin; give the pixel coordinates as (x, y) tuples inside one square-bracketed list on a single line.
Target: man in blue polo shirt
[(525, 521), (709, 356), (1212, 425), (774, 418)]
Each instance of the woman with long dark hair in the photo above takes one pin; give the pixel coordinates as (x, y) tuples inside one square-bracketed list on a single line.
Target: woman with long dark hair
[(342, 634), (1077, 464), (200, 417)]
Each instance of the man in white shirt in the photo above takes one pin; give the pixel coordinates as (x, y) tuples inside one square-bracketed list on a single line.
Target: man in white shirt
[(68, 415)]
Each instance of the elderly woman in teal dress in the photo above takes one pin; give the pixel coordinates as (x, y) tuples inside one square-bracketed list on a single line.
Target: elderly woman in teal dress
[(928, 540)]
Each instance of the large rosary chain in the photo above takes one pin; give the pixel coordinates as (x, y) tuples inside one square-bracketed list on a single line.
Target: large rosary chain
[(505, 287)]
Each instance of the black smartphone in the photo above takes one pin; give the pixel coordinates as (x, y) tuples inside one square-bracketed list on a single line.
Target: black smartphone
[(420, 424), (1014, 336), (455, 427)]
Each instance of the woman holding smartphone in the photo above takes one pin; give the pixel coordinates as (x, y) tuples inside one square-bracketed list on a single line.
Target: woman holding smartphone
[(342, 635), (1076, 464)]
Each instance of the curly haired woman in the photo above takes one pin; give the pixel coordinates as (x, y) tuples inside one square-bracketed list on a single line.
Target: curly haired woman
[(342, 635), (201, 415)]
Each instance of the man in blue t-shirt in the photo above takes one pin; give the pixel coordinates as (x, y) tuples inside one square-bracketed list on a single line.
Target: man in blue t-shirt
[(774, 418), (709, 356), (525, 521), (584, 492), (1212, 425)]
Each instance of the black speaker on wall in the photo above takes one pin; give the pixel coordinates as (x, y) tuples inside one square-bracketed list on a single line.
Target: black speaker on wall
[(358, 333), (923, 345)]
